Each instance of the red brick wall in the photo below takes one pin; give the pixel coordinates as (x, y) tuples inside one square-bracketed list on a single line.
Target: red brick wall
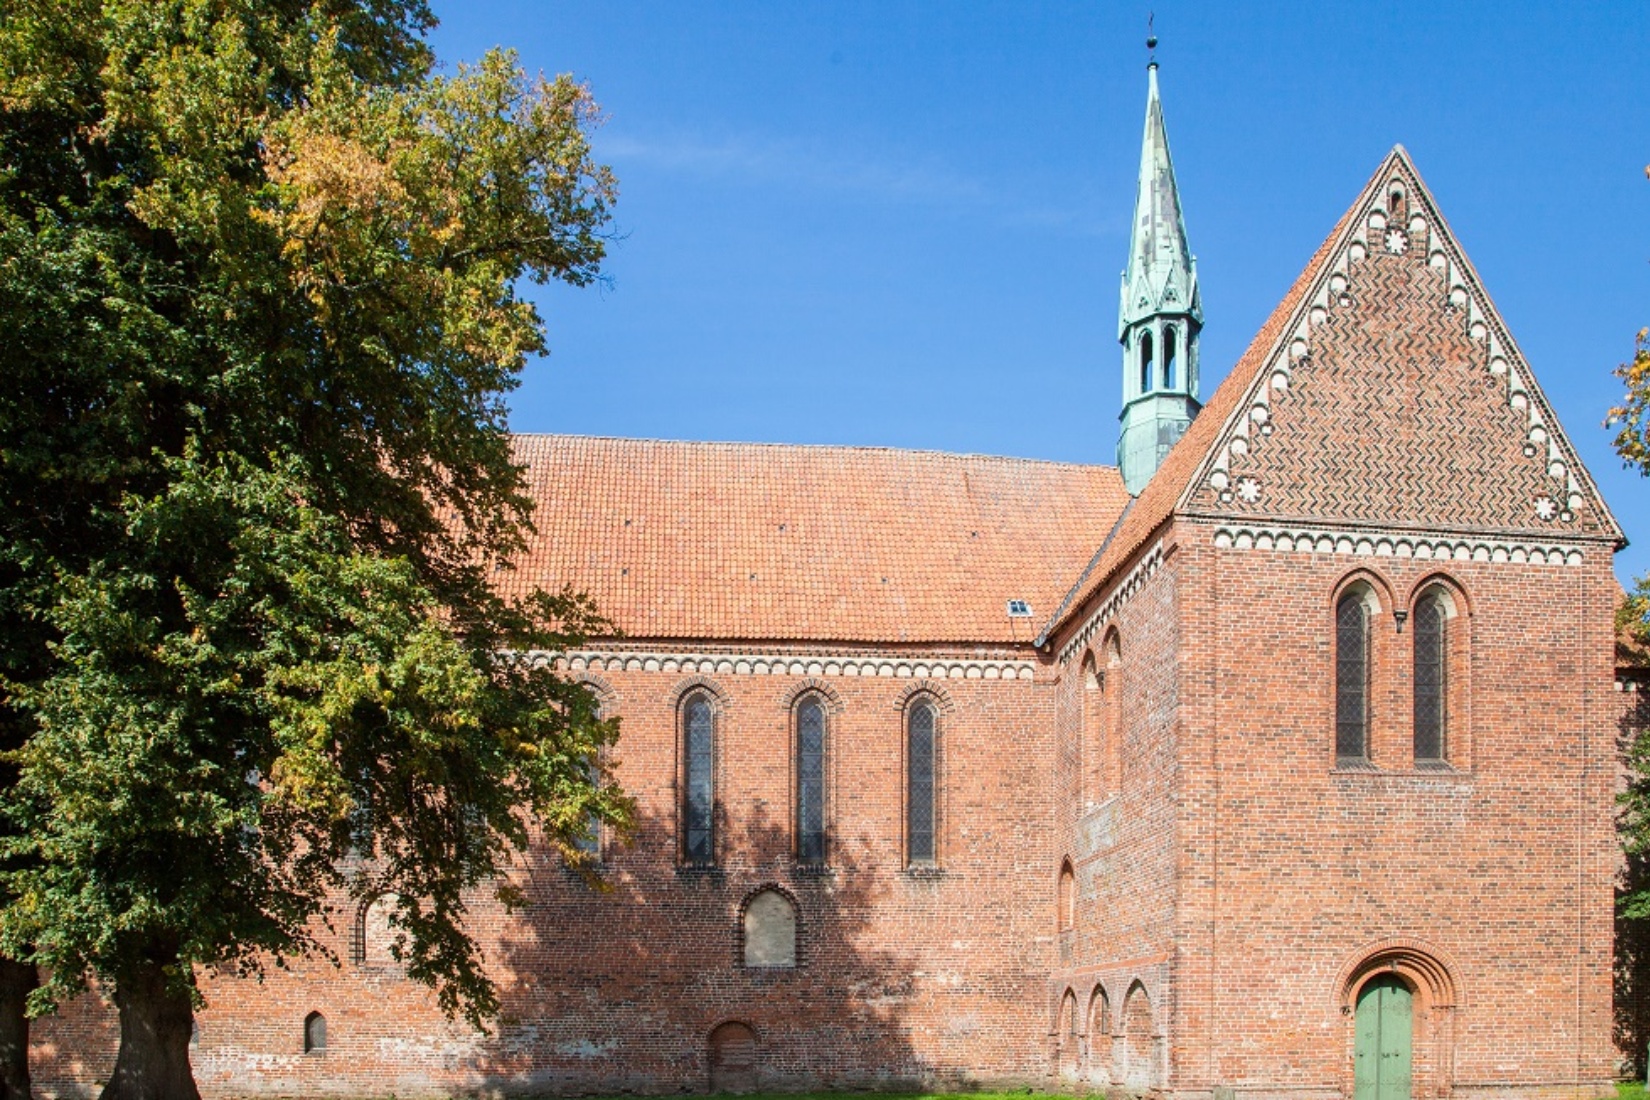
[(1294, 871), (1121, 836), (1234, 881), (905, 976)]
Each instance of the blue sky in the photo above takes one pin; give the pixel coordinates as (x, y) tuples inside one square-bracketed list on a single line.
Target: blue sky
[(901, 223)]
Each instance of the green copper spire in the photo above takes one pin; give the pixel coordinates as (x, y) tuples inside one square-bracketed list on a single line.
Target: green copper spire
[(1160, 313)]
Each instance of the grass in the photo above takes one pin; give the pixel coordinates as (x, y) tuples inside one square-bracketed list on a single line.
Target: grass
[(1631, 1090), (869, 1094)]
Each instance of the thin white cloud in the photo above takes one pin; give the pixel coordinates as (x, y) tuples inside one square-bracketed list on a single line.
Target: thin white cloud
[(796, 164)]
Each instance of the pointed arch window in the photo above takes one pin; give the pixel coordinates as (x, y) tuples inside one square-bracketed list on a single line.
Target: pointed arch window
[(698, 780), (810, 780), (1145, 362), (1170, 357), (921, 754), (1066, 898), (1352, 617), (1431, 634)]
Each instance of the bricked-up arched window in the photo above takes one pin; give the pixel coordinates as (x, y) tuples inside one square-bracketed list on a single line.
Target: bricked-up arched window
[(1145, 362), (1100, 1036), (315, 1033), (1066, 898), (1093, 737), (1111, 695), (698, 780), (1352, 676), (810, 780), (1431, 633), (770, 930), (921, 756), (1170, 358)]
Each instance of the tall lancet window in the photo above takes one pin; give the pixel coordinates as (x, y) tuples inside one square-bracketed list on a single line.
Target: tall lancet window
[(1351, 677), (920, 803), (1145, 362), (810, 781), (1431, 676), (1169, 363), (698, 780)]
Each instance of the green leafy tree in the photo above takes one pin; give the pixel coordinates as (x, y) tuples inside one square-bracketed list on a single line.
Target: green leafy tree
[(1632, 420), (258, 271)]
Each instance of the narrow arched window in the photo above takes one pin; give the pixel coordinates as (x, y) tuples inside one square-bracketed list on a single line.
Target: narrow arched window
[(1145, 362), (1111, 692), (1065, 898), (921, 745), (698, 780), (589, 841), (810, 781), (1352, 677), (315, 1033), (1169, 358), (1431, 677)]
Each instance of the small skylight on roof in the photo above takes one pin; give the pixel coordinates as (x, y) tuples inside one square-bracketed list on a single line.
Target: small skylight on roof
[(1019, 609)]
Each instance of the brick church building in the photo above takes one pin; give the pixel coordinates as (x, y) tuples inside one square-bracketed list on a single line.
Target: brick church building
[(1275, 760)]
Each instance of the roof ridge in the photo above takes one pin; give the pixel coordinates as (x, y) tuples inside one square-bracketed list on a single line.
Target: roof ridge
[(775, 445)]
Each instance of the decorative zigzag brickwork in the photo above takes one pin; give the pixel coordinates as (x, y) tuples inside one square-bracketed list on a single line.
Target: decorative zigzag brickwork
[(1399, 399)]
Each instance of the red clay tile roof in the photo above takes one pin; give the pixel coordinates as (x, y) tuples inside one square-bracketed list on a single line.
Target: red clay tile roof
[(739, 541)]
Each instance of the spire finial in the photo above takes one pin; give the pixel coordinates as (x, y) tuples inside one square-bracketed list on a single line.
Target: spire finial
[(1151, 41)]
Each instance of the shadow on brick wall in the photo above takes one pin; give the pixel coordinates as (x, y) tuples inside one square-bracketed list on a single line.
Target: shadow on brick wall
[(621, 989), (642, 985), (1632, 961)]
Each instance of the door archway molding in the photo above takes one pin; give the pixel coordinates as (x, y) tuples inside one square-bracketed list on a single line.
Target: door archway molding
[(1432, 979)]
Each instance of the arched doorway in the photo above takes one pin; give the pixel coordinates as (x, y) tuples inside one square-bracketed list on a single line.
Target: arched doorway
[(1383, 1040), (1397, 997), (733, 1058)]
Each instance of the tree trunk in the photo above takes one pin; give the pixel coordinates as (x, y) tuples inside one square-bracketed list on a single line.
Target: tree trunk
[(17, 981), (155, 1022)]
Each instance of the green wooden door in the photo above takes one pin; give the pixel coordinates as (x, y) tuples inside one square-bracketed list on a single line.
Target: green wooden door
[(1381, 1049)]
